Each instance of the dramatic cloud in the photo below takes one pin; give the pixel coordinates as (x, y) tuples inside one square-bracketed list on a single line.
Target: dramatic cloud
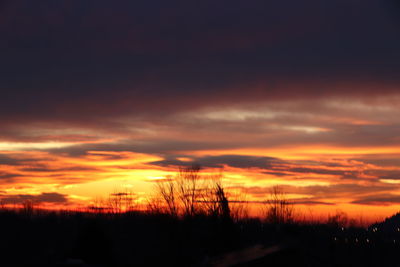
[(302, 94), (92, 60), (46, 198), (236, 161), (387, 199)]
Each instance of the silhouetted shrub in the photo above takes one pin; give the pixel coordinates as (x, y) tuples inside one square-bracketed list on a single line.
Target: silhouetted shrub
[(279, 209)]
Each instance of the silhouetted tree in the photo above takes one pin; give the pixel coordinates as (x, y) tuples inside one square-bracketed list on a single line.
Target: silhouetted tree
[(217, 201), (340, 219), (28, 207), (168, 193), (190, 194), (187, 185), (121, 201), (279, 209)]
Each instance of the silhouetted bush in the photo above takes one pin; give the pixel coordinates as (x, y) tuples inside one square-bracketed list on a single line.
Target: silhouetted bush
[(279, 209), (189, 195)]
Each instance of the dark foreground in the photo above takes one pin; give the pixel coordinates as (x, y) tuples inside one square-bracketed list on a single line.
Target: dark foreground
[(137, 239)]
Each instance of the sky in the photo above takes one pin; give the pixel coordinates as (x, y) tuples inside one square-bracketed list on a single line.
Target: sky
[(98, 97)]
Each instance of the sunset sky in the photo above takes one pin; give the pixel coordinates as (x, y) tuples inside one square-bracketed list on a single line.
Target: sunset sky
[(100, 96)]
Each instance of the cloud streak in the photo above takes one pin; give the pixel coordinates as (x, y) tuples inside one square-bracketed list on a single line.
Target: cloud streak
[(43, 198)]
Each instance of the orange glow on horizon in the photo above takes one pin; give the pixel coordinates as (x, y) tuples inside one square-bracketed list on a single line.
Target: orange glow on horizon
[(96, 174)]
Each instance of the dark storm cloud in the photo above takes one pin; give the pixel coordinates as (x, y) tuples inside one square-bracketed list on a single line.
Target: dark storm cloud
[(337, 190), (6, 160), (9, 175), (46, 168), (54, 198), (315, 171), (387, 161), (311, 202), (278, 167), (334, 191), (156, 146), (379, 199), (373, 194), (386, 174), (25, 160), (88, 60), (236, 161)]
